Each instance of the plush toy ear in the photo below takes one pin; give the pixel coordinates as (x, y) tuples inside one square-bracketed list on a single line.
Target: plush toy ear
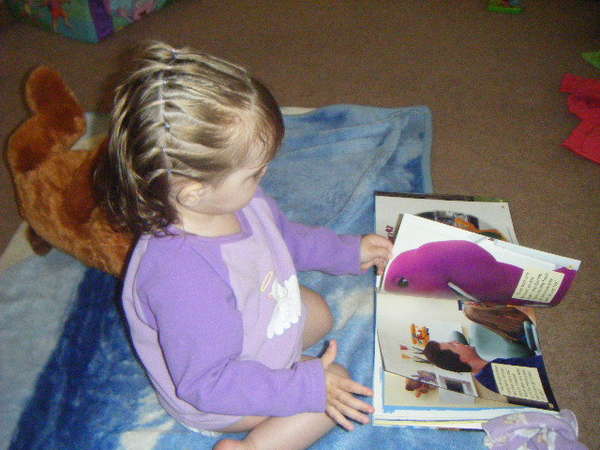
[(48, 95), (58, 121)]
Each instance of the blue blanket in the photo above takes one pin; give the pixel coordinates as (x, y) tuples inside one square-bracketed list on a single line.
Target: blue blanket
[(94, 394)]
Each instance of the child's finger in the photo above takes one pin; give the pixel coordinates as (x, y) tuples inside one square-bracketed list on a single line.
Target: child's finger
[(379, 262), (353, 413), (339, 418), (355, 404), (351, 386)]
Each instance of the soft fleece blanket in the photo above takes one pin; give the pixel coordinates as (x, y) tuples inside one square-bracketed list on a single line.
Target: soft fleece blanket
[(93, 394)]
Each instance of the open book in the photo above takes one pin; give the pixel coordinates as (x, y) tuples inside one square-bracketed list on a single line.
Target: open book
[(456, 337)]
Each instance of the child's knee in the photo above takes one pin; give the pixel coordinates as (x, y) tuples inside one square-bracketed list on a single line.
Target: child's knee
[(327, 320), (325, 315), (319, 315)]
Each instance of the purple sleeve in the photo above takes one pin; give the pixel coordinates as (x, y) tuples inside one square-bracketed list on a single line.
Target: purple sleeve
[(200, 334), (319, 248)]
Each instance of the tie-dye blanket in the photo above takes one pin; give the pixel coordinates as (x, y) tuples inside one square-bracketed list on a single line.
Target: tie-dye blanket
[(93, 393)]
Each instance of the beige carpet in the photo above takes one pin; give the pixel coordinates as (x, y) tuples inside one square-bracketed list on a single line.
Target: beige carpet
[(490, 79)]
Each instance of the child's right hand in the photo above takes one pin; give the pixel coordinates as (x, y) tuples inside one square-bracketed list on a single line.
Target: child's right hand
[(341, 402)]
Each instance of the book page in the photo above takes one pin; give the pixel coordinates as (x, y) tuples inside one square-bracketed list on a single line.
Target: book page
[(486, 216), (431, 259), (538, 285), (519, 382)]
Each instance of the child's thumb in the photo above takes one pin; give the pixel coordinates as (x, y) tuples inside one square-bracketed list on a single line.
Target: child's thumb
[(330, 354)]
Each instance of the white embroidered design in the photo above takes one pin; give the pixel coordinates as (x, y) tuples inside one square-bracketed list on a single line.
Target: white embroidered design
[(288, 306)]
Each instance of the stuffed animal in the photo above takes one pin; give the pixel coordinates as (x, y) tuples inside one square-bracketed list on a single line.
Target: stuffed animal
[(447, 268), (53, 183)]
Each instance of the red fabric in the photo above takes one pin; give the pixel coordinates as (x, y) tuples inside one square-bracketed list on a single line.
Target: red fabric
[(584, 102)]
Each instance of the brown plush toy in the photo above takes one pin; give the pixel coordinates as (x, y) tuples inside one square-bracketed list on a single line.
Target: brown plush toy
[(53, 183)]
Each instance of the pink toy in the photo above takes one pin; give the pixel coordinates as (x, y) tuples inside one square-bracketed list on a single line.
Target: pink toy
[(584, 101), (440, 269)]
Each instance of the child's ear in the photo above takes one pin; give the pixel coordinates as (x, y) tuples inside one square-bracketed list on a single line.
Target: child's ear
[(191, 193)]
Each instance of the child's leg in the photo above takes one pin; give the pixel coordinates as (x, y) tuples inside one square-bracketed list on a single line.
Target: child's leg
[(293, 432), (319, 320), (289, 433)]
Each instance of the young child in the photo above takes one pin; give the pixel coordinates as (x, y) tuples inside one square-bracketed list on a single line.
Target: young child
[(211, 293)]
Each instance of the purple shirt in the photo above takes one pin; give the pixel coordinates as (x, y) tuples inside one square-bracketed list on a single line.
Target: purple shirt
[(218, 322)]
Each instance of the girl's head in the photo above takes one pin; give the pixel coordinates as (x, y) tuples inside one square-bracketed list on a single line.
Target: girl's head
[(179, 117), (449, 355)]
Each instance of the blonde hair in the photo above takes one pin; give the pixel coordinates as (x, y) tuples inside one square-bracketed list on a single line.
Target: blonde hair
[(181, 114)]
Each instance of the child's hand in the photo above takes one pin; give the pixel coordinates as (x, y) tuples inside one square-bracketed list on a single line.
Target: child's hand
[(375, 250), (341, 403)]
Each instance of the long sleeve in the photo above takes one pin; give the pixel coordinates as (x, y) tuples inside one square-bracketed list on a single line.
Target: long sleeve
[(200, 332), (319, 248)]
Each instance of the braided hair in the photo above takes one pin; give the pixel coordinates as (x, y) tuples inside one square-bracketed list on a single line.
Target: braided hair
[(181, 116)]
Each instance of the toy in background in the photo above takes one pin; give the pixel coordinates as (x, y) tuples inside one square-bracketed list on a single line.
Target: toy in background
[(57, 12), (132, 11), (53, 183), (506, 6), (584, 102), (593, 58), (84, 20)]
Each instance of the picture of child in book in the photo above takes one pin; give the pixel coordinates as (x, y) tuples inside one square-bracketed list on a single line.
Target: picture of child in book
[(502, 335), (402, 353), (211, 293), (526, 387)]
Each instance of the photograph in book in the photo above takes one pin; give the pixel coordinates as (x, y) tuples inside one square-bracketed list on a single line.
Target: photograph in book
[(420, 337), (487, 352), (484, 215), (436, 260)]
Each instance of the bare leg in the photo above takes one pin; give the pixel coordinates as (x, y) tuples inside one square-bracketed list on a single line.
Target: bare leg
[(319, 320), (293, 432)]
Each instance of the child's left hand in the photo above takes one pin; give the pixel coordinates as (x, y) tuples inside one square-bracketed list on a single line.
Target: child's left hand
[(375, 250)]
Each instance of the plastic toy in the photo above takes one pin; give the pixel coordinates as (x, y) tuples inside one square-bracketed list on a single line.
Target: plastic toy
[(593, 58), (505, 6)]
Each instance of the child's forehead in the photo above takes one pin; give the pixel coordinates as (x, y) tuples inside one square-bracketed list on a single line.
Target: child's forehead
[(258, 155), (253, 168)]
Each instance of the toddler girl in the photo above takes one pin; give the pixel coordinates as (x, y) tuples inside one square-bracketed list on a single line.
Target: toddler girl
[(211, 293)]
